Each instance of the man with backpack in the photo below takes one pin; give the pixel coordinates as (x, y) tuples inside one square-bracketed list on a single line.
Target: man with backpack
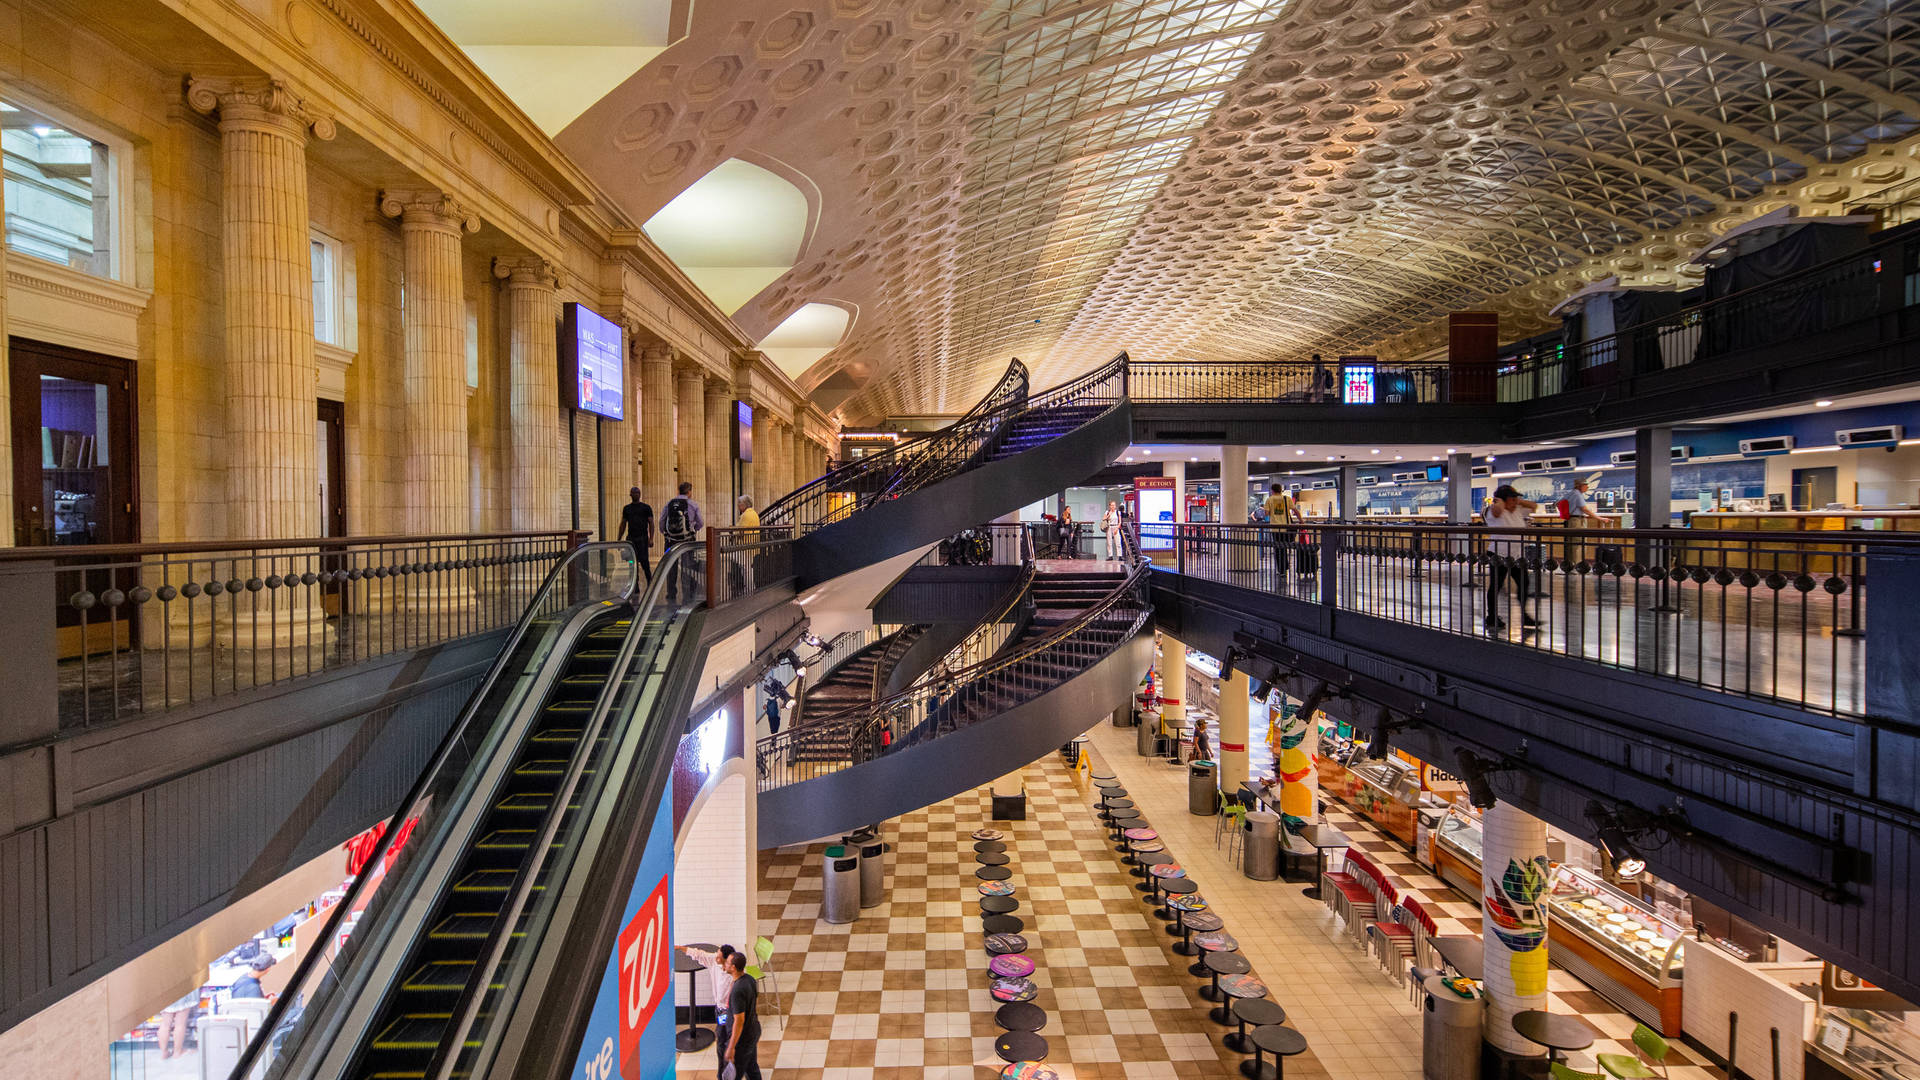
[(680, 523)]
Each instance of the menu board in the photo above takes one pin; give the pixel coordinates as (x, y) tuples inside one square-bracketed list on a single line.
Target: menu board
[(592, 363)]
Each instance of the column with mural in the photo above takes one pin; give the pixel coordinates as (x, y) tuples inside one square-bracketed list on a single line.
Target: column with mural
[(1513, 886), (1296, 739)]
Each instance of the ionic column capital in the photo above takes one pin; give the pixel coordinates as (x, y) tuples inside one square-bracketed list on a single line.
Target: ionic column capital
[(428, 210), (259, 104), (526, 272)]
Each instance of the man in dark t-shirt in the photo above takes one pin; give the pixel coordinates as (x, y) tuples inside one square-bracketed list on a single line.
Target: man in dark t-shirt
[(636, 528), (743, 1012)]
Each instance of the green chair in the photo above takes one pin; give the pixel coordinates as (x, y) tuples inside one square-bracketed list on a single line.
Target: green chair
[(1561, 1071), (1629, 1067), (763, 952)]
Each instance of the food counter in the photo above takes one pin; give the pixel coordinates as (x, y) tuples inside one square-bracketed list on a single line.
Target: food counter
[(1789, 555), (1387, 792), (1455, 851), (1616, 944), (1864, 1044)]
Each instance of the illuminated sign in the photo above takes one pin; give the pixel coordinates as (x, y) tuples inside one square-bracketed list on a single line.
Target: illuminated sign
[(592, 363), (742, 431), (1154, 496), (1356, 384)]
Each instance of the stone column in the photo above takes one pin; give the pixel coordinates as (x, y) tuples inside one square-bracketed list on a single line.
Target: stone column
[(762, 469), (6, 403), (1233, 511), (690, 424), (267, 277), (438, 487), (719, 482), (1513, 886), (1235, 726), (621, 453), (657, 479), (537, 484), (805, 467), (780, 457), (1173, 685), (1460, 506), (1293, 755)]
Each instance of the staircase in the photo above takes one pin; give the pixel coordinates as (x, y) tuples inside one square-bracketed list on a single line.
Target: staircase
[(847, 689), (1035, 427)]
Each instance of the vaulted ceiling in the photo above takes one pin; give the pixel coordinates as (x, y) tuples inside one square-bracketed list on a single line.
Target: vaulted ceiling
[(1236, 179)]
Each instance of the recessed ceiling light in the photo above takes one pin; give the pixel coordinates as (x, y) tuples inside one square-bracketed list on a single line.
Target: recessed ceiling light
[(1398, 457), (1821, 404), (1449, 449), (1193, 459), (1299, 451), (1146, 453), (1376, 451), (1129, 461), (1489, 459), (1263, 458)]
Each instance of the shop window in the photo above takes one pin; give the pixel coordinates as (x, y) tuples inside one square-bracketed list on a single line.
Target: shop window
[(58, 191)]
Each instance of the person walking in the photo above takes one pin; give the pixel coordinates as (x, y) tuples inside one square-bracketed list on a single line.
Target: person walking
[(1069, 533), (176, 1023), (1282, 516), (636, 528), (1507, 510), (720, 982), (743, 1036), (680, 523), (1110, 522), (747, 520)]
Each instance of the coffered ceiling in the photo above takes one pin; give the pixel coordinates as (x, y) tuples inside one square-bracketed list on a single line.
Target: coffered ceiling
[(1240, 179)]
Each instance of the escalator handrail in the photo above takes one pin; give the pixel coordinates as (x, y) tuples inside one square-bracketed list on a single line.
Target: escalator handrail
[(473, 994), (276, 1013)]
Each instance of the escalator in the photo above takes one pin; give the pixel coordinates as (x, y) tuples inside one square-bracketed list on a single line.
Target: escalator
[(456, 963)]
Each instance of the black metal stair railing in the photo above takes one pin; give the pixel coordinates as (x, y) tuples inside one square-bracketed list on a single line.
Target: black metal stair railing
[(1005, 678)]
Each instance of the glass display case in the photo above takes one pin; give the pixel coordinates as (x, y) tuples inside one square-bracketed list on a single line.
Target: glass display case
[(1456, 848), (1611, 939), (1868, 1043)]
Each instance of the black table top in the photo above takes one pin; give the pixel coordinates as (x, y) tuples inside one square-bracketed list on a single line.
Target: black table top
[(1109, 792), (993, 873), (1178, 886), (1561, 1031), (1119, 804), (1002, 924), (1463, 953), (998, 905), (1276, 1039), (991, 858), (1323, 836), (1021, 1016), (1155, 858), (683, 963), (990, 845), (1020, 1046), (1203, 921), (1259, 1011), (1227, 963), (1121, 817)]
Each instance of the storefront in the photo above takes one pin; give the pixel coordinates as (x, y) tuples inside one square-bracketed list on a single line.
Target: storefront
[(1403, 795)]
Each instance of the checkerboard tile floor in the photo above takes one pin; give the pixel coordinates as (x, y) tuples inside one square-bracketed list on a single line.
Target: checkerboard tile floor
[(902, 992)]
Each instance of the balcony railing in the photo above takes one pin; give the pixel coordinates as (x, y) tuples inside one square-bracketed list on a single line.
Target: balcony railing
[(136, 629), (1769, 616)]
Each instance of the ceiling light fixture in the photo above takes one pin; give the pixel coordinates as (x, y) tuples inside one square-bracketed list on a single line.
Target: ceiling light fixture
[(1821, 404), (1263, 458), (1299, 451), (1616, 845), (1376, 450), (1449, 449)]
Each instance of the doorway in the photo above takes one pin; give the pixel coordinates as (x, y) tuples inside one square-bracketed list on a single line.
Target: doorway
[(1815, 488), (330, 454), (74, 470)]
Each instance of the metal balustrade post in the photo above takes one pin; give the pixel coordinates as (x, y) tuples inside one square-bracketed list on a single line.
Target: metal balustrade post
[(1330, 547), (1893, 667)]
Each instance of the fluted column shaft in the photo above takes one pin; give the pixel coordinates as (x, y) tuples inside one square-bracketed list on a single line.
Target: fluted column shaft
[(6, 399), (783, 470), (271, 380), (719, 495), (763, 492), (690, 423), (537, 484), (433, 318), (657, 477)]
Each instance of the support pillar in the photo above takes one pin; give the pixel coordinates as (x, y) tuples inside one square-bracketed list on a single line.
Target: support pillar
[(1233, 511), (1513, 886), (1235, 727), (1652, 478), (803, 470), (1460, 506), (783, 468), (657, 478), (1349, 493), (537, 484), (438, 471), (719, 424), (690, 430), (1293, 754), (1178, 471), (266, 267), (6, 412), (762, 470), (1173, 685)]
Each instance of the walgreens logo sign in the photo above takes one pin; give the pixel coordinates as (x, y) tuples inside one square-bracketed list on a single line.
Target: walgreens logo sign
[(645, 970)]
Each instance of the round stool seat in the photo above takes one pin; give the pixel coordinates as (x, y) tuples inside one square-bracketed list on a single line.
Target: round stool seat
[(989, 834), (1020, 1046), (1190, 902), (998, 905), (993, 873), (1201, 921), (1141, 834), (1243, 985), (1167, 869), (1218, 964), (991, 858), (1011, 966), (1216, 941), (1029, 1070), (1118, 804), (1111, 792), (1259, 1012), (1276, 1039), (990, 845), (1014, 990), (1146, 847), (1148, 860), (1002, 924), (1002, 944), (996, 888), (1106, 781), (1026, 1016)]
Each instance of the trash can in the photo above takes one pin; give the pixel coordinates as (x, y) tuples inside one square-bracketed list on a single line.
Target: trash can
[(840, 865), (1203, 795), (1450, 1033), (1147, 736), (1126, 716), (1260, 855), (873, 866)]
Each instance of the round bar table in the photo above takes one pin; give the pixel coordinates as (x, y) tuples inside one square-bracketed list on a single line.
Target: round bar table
[(1024, 1016), (1260, 1012), (1211, 941), (993, 873), (1180, 905), (1002, 944), (1237, 988), (1175, 887), (1020, 1046), (1280, 1041), (1558, 1032), (1148, 860), (1029, 1070), (1201, 920), (989, 845), (695, 1037), (1122, 819), (1222, 963), (1137, 848), (991, 858), (1002, 924)]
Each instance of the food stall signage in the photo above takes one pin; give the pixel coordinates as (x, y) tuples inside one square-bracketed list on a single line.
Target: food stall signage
[(1843, 989)]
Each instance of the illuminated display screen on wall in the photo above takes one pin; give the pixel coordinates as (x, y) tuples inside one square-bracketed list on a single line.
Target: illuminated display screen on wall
[(742, 431), (1357, 384), (592, 363), (1155, 498)]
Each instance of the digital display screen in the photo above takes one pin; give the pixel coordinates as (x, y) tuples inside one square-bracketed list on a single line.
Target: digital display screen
[(1156, 519), (592, 350), (1435, 474), (1357, 384), (742, 431)]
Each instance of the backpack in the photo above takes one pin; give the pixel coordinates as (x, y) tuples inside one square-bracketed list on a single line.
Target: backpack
[(677, 523)]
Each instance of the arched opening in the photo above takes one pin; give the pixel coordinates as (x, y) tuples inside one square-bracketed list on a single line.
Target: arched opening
[(802, 338), (734, 231)]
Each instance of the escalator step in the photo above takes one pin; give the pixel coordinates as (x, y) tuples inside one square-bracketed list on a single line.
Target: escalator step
[(469, 926), (528, 802), (491, 882), (414, 1031)]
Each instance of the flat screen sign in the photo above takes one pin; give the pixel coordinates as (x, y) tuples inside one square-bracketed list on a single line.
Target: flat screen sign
[(742, 431), (1155, 495), (1356, 384), (592, 353)]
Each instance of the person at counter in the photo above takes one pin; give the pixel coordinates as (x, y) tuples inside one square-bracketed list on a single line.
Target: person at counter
[(1507, 510), (248, 984), (1577, 506)]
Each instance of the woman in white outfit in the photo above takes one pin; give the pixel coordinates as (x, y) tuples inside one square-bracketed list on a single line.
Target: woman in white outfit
[(1110, 521)]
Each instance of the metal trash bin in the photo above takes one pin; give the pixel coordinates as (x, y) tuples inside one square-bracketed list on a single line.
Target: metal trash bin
[(873, 866), (1450, 1034), (840, 866), (1147, 735), (1260, 855), (1203, 793), (1126, 716)]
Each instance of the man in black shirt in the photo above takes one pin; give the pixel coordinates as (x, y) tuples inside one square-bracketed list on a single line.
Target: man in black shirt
[(636, 528), (743, 1013)]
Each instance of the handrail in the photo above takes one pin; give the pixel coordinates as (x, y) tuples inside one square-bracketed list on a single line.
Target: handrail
[(396, 832), (195, 547)]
